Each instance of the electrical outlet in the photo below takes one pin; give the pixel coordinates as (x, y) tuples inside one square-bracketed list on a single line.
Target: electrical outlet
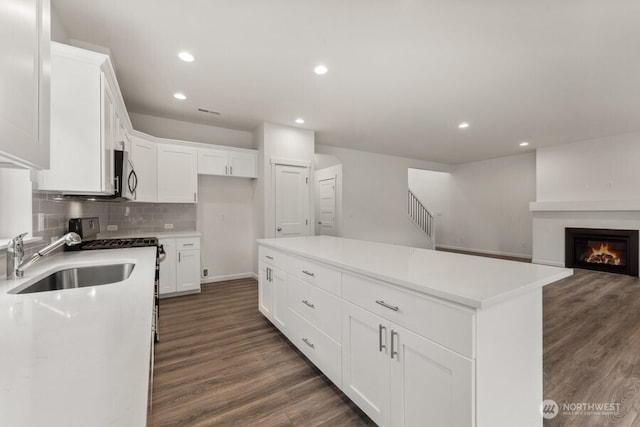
[(205, 272), (112, 228), (168, 226)]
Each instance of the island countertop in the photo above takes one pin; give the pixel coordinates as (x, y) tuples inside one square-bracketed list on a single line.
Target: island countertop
[(470, 280), (78, 357)]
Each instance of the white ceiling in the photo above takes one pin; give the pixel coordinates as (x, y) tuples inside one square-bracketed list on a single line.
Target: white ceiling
[(402, 73)]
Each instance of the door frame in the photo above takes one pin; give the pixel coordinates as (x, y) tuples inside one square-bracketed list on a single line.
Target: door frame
[(336, 172), (270, 228)]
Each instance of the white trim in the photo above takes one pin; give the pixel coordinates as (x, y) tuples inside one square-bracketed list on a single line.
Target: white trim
[(483, 251), (222, 278), (547, 262), (290, 162), (596, 205)]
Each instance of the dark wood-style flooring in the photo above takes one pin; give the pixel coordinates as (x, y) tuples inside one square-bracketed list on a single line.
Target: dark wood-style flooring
[(220, 363)]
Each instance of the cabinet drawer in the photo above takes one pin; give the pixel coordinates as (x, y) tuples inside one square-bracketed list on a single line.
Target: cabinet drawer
[(323, 277), (272, 257), (447, 324), (186, 243), (317, 306), (325, 353)]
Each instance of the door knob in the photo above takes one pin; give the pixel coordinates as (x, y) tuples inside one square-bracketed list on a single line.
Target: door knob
[(319, 222), (279, 228)]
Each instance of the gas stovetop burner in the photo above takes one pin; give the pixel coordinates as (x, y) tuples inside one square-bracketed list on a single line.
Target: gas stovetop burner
[(134, 242)]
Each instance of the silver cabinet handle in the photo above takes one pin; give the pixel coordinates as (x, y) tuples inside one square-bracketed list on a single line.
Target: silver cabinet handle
[(393, 352), (269, 257), (306, 341), (308, 273), (188, 244), (380, 345), (179, 256), (226, 170), (269, 274), (230, 170), (308, 304), (384, 304), (195, 198)]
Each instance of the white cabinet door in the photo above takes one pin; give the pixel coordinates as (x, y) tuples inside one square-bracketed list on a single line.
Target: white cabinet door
[(265, 290), (365, 362), (24, 83), (243, 164), (212, 162), (177, 174), (292, 201), (429, 382), (280, 300), (168, 267), (188, 271), (143, 157), (109, 136)]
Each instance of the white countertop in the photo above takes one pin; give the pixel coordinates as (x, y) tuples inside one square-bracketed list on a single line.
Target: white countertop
[(78, 357), (465, 279)]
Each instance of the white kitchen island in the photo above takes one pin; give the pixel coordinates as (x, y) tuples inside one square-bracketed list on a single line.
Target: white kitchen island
[(78, 357), (414, 337)]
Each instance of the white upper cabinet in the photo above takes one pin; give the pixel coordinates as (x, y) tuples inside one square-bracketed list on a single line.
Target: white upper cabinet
[(212, 162), (86, 113), (143, 157), (24, 83), (238, 163), (177, 174)]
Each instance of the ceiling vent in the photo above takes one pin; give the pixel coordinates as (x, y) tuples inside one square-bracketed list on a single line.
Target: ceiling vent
[(204, 110)]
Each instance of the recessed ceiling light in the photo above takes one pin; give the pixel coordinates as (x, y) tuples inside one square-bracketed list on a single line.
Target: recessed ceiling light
[(463, 125), (186, 56), (180, 96), (320, 70), (299, 121), (524, 144)]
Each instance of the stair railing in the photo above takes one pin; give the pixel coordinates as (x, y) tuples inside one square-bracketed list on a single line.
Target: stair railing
[(420, 215)]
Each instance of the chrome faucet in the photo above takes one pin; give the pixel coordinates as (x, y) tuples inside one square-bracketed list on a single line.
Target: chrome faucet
[(15, 253)]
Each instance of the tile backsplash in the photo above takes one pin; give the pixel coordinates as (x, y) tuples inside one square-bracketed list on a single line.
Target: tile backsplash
[(51, 216)]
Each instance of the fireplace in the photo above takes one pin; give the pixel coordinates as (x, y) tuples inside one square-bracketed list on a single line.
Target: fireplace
[(613, 251)]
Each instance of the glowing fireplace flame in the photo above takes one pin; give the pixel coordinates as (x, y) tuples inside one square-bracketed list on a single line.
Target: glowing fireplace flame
[(603, 255)]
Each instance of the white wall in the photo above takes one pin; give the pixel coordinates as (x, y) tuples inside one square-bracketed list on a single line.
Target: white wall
[(225, 218), (374, 189), (489, 206), (284, 142), (58, 31), (187, 131), (593, 170)]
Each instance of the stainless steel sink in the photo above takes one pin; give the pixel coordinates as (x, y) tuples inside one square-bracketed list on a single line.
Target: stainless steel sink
[(80, 277)]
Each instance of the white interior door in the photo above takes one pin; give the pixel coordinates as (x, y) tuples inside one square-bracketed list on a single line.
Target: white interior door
[(291, 201), (326, 205)]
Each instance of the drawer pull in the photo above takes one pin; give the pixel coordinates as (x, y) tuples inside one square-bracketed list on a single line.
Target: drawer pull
[(269, 257), (308, 273), (306, 341), (384, 304), (393, 352), (308, 304), (188, 244), (380, 345)]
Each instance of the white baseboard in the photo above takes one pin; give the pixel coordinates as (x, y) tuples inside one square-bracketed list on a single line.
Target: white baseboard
[(222, 278), (483, 251), (547, 262)]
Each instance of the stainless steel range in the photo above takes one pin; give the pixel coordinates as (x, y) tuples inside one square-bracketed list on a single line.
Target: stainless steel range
[(89, 228)]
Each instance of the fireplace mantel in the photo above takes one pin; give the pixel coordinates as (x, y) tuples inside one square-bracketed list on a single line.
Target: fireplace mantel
[(594, 206)]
